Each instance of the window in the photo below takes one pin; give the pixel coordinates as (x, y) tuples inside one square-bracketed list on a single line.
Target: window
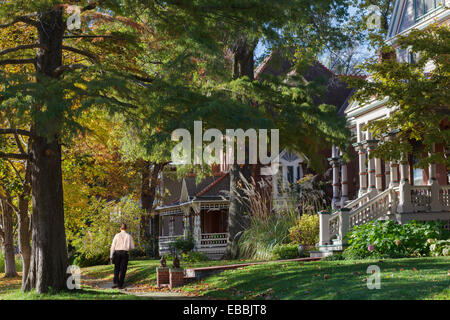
[(299, 171), (411, 57), (422, 7), (417, 174), (290, 174)]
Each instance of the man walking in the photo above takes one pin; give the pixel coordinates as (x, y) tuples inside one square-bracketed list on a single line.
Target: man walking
[(122, 243)]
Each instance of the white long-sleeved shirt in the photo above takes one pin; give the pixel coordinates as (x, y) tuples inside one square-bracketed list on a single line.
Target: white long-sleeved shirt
[(122, 241)]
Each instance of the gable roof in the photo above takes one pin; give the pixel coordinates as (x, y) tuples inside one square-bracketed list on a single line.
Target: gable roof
[(187, 188), (336, 93)]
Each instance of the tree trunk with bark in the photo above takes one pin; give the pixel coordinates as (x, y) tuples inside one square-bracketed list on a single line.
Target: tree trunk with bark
[(150, 172), (238, 221), (49, 259), (7, 232)]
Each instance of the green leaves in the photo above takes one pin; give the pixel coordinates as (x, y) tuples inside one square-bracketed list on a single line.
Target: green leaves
[(391, 240), (418, 97)]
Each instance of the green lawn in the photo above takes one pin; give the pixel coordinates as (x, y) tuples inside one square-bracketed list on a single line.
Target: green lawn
[(421, 278)]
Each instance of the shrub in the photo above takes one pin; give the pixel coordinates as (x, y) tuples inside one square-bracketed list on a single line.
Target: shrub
[(439, 247), (194, 256), (306, 230), (83, 260), (334, 257), (285, 251), (388, 239), (182, 245)]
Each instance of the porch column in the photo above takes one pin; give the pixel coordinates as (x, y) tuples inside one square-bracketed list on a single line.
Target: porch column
[(344, 224), (344, 183), (394, 181), (378, 175), (433, 183), (362, 168), (387, 173), (334, 162), (324, 234), (404, 204), (171, 225), (197, 226), (186, 230), (371, 144)]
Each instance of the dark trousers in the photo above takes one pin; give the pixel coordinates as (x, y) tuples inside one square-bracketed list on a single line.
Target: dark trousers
[(120, 260)]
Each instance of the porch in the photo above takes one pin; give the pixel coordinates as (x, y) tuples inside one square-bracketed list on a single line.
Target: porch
[(206, 220), (400, 193)]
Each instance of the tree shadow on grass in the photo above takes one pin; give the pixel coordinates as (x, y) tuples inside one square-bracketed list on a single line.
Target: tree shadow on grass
[(400, 279)]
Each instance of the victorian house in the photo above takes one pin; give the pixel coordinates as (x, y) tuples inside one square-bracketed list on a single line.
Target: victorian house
[(200, 208), (393, 190)]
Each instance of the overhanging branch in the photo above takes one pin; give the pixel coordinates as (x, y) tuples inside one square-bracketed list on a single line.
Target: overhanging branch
[(17, 61), (58, 71), (16, 131), (16, 156), (87, 36), (143, 79), (88, 54), (25, 46), (25, 19), (91, 6)]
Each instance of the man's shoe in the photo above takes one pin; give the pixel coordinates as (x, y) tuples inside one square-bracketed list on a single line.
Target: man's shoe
[(121, 287), (114, 286)]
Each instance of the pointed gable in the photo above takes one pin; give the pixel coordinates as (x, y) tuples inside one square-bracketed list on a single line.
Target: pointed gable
[(184, 196)]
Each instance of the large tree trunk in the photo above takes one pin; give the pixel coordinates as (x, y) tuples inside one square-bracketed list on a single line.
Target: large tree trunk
[(49, 259), (146, 199), (150, 224), (238, 221), (8, 240)]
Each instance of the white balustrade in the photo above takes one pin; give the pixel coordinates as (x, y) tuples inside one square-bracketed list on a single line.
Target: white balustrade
[(213, 239), (420, 198), (444, 197), (378, 206)]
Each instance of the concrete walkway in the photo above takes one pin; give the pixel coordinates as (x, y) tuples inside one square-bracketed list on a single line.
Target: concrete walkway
[(156, 295)]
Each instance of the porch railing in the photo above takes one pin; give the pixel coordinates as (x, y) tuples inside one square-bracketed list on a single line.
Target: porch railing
[(421, 198), (213, 239), (165, 241), (375, 208), (444, 197), (337, 224)]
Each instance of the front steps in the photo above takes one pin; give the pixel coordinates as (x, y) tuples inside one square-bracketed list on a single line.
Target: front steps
[(328, 250)]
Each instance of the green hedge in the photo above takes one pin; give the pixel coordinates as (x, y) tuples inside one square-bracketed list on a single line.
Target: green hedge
[(285, 251)]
